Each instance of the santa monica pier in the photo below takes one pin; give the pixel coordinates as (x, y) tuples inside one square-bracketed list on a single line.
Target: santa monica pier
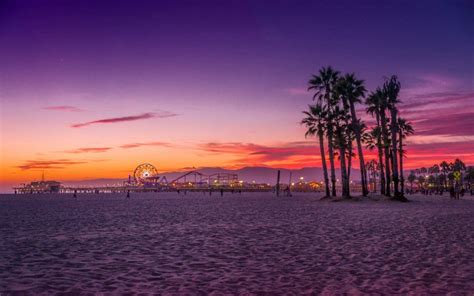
[(145, 178)]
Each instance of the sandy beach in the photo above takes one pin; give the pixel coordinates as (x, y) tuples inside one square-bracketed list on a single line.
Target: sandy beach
[(253, 243)]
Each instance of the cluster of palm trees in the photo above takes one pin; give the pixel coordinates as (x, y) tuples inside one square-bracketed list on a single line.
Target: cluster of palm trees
[(441, 177), (333, 120)]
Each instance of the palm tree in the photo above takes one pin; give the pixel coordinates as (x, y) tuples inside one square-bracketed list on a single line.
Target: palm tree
[(314, 122), (442, 181), (421, 181), (382, 104), (431, 180), (372, 167), (341, 142), (371, 140), (392, 89), (435, 170), (445, 168), (373, 108), (423, 170), (323, 84), (458, 165), (404, 129), (352, 90)]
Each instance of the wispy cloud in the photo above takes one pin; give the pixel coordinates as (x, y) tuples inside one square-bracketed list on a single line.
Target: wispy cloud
[(89, 150), (148, 115), (440, 108), (65, 108), (288, 154), (48, 164), (454, 124), (136, 145)]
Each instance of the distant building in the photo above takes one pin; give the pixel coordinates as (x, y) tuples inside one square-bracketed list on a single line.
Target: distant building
[(39, 187)]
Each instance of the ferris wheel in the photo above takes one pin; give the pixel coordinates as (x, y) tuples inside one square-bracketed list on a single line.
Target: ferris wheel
[(144, 171)]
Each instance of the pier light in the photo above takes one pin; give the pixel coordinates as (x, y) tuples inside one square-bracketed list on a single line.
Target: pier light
[(301, 178)]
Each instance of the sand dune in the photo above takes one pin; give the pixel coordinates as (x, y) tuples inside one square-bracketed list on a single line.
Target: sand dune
[(254, 243)]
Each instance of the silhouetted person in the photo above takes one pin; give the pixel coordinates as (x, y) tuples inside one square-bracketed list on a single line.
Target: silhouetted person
[(177, 191), (75, 193), (128, 194), (210, 192), (222, 192)]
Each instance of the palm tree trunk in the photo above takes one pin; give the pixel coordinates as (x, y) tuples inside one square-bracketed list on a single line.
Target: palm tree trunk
[(383, 122), (331, 159), (342, 158), (400, 151), (380, 152), (323, 160), (375, 180), (394, 130), (349, 161), (363, 171), (344, 181)]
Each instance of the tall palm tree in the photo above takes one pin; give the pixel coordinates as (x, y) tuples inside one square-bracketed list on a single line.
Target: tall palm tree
[(392, 89), (341, 142), (404, 129), (372, 140), (373, 108), (314, 122), (323, 85), (352, 90), (435, 170), (378, 104), (372, 167)]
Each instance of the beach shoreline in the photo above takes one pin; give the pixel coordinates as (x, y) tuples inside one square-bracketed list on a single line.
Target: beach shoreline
[(240, 244)]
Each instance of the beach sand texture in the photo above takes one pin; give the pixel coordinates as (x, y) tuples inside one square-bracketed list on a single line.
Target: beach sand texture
[(238, 244)]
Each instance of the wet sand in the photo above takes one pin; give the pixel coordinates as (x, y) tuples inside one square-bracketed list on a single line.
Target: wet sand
[(253, 243)]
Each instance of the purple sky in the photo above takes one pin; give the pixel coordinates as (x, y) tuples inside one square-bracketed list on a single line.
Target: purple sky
[(193, 70)]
